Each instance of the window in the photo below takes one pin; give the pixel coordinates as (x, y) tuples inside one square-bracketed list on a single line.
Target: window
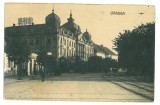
[(61, 51), (54, 49), (65, 52), (70, 43), (67, 42), (48, 41), (9, 64), (72, 53), (31, 43), (61, 41), (64, 41), (37, 41)]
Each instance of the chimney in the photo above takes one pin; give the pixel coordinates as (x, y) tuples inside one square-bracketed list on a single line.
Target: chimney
[(101, 45), (14, 24)]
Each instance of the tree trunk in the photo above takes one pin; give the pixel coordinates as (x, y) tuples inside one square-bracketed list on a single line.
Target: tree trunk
[(19, 72)]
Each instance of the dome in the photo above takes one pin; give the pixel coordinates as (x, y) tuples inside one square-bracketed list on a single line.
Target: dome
[(53, 20), (73, 27), (87, 36)]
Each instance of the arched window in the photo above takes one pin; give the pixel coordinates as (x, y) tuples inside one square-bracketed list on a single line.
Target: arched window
[(64, 41), (61, 51), (69, 43), (61, 41)]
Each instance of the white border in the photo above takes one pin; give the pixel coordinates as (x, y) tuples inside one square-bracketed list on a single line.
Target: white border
[(157, 54)]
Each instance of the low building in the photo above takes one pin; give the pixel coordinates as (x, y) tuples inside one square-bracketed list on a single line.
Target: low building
[(104, 52)]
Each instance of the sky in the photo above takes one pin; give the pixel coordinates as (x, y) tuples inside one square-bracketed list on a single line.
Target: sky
[(99, 20), (130, 19)]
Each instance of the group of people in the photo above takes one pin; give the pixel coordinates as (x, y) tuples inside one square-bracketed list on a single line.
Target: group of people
[(41, 72)]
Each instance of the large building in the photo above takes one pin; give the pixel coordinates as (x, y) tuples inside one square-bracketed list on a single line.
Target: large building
[(57, 40)]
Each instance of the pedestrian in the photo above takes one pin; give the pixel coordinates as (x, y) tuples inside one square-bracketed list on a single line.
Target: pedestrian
[(42, 74), (11, 70), (35, 70)]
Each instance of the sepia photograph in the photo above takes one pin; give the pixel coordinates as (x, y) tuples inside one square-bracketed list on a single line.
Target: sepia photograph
[(79, 52)]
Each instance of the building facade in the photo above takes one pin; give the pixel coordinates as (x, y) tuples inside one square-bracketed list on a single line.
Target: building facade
[(103, 52), (56, 40)]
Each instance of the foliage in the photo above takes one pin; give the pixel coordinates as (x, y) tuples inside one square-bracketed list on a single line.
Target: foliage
[(95, 64), (136, 48), (109, 64), (17, 51), (41, 57)]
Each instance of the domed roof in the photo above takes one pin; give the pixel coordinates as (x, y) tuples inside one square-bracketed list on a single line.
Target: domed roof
[(73, 27), (87, 36), (53, 20)]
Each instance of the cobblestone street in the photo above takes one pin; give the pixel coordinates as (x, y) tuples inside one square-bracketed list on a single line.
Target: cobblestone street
[(78, 87)]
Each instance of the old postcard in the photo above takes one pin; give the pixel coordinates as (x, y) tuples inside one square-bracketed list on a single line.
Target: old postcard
[(79, 52)]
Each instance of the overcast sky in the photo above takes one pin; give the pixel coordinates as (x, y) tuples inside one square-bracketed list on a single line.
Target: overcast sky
[(98, 19)]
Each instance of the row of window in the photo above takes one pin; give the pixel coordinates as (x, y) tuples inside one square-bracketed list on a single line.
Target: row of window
[(66, 42), (67, 53), (36, 42)]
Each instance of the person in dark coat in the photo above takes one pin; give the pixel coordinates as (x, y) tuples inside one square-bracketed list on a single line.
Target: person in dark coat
[(42, 74), (35, 71)]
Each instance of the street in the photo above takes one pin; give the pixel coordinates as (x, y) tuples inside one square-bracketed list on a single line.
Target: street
[(79, 87)]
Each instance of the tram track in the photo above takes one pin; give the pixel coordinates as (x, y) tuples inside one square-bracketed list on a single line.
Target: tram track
[(132, 87)]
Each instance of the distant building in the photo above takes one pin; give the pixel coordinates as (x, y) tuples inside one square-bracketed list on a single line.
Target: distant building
[(104, 52), (25, 21)]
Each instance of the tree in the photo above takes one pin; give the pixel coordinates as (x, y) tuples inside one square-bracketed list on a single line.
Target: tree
[(109, 63), (95, 64), (41, 57), (136, 49), (63, 64), (17, 51)]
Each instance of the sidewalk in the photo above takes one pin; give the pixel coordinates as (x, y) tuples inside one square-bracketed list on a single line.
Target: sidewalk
[(13, 79), (70, 91), (63, 77)]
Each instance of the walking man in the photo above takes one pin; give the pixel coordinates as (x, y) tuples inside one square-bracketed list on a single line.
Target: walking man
[(42, 74)]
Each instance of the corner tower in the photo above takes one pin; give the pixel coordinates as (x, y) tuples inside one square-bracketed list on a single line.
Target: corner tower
[(72, 26), (53, 20)]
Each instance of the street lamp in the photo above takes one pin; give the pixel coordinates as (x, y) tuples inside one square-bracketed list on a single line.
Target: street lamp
[(49, 53)]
